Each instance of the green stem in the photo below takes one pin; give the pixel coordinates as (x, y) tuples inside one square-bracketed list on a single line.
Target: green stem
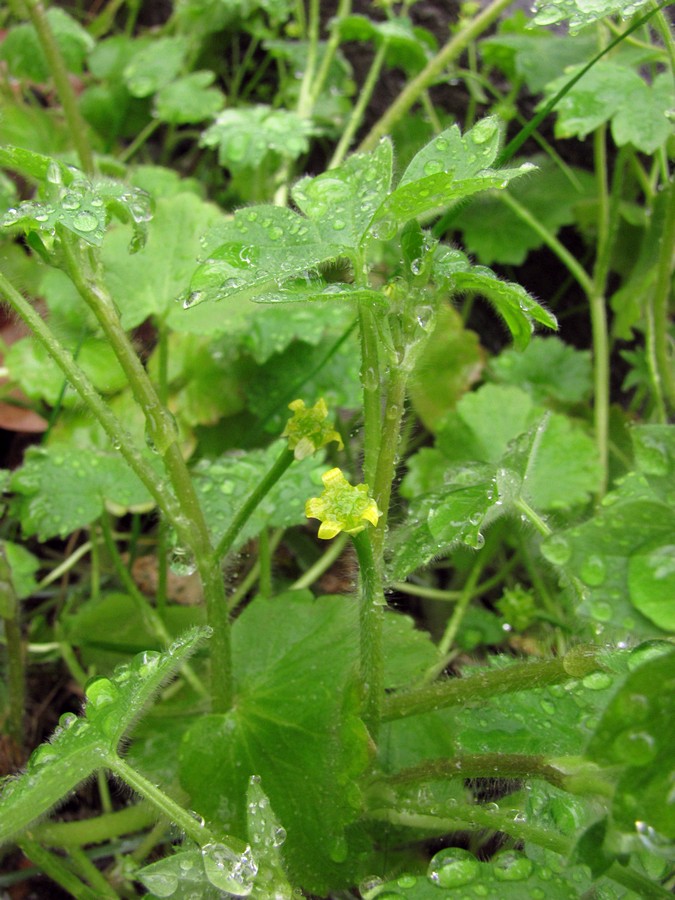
[(322, 564), (455, 621), (461, 818), (414, 89), (139, 140), (502, 765), (304, 106), (359, 109), (16, 679), (174, 812), (344, 8), (372, 404), (253, 500), (76, 124), (565, 257), (54, 867), (598, 307), (485, 685), (524, 507), (92, 400), (659, 305), (371, 619), (190, 524), (95, 878), (389, 438), (265, 564)]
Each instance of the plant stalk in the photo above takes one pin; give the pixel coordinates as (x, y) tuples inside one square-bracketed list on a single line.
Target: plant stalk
[(55, 868), (415, 88), (76, 124), (253, 500), (485, 685), (190, 524), (371, 616)]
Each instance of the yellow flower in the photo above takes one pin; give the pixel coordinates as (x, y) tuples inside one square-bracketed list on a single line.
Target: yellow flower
[(342, 506), (308, 430)]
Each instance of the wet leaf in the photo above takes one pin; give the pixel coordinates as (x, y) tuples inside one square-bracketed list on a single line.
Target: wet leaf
[(578, 14), (22, 51), (155, 65), (547, 369), (189, 99), (58, 490)]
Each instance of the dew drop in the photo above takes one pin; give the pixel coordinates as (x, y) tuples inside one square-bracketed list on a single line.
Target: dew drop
[(181, 562), (228, 870), (509, 866), (556, 550), (339, 224), (369, 886), (453, 868), (433, 167), (71, 201), (593, 571), (85, 221), (483, 131), (597, 681)]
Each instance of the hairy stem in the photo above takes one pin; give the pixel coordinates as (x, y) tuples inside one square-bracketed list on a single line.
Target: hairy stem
[(55, 868), (485, 685), (190, 524), (371, 621)]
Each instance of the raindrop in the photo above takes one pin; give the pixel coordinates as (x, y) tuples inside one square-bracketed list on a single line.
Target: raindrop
[(71, 201), (369, 886), (593, 571), (181, 561), (601, 610), (369, 379), (339, 224), (509, 866), (228, 870), (192, 298), (278, 836), (556, 550), (67, 720), (162, 884), (484, 131), (453, 868), (597, 681), (441, 145), (433, 167), (100, 692), (85, 221), (384, 229)]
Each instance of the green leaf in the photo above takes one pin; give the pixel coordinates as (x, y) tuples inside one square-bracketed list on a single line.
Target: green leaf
[(180, 876), (343, 201), (651, 582), (23, 566), (552, 197), (509, 875), (553, 721), (76, 203), (255, 253), (80, 745), (286, 727), (150, 282), (616, 553), (155, 65), (189, 99), (547, 369), (59, 490), (22, 51), (635, 734), (578, 14), (536, 57), (41, 379), (611, 91), (223, 484), (408, 48), (246, 137), (266, 836), (449, 168)]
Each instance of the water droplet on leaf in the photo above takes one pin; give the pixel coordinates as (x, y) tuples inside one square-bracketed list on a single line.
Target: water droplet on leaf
[(85, 221), (509, 866), (453, 868)]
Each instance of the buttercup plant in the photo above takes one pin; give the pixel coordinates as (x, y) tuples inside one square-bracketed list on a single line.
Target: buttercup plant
[(510, 741)]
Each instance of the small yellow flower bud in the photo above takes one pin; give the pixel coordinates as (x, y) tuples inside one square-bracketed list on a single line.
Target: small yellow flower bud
[(308, 430)]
